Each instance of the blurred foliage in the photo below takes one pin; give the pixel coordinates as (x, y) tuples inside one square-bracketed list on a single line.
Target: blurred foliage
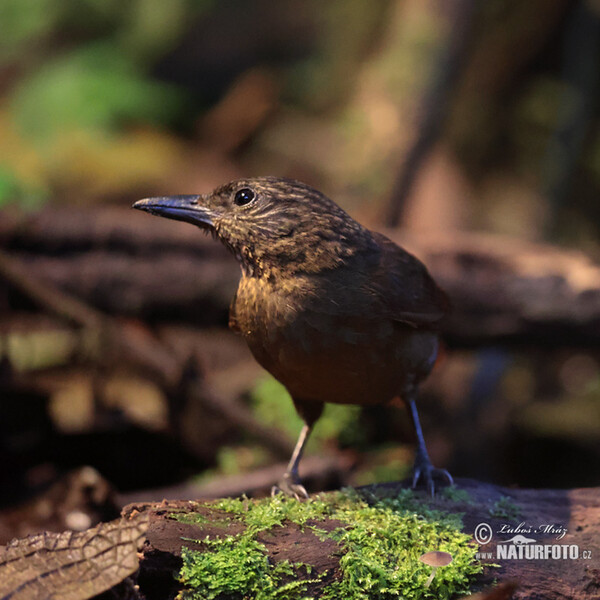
[(40, 349), (571, 417), (93, 88), (351, 28), (341, 426), (233, 460), (13, 189), (272, 405), (102, 99), (83, 85), (141, 28), (568, 408), (387, 462)]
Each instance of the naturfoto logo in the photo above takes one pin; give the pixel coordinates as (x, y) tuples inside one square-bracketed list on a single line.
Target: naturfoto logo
[(522, 547)]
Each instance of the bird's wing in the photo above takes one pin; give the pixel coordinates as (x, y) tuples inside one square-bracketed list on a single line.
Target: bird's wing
[(404, 287)]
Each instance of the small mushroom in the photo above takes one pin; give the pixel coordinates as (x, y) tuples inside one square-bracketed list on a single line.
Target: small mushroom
[(435, 559)]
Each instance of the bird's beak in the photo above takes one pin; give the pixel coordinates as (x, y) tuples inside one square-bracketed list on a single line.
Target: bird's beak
[(179, 208)]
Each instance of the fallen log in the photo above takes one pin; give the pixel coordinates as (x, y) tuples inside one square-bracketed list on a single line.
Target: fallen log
[(380, 541), (121, 262), (521, 531), (512, 291)]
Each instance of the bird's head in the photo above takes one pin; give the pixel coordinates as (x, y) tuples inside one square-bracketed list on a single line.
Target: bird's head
[(270, 223)]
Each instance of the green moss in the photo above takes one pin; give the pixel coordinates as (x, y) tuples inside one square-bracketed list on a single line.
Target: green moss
[(238, 566), (505, 508), (381, 540), (455, 494)]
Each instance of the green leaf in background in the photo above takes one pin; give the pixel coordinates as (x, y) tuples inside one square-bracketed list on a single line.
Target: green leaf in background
[(93, 87)]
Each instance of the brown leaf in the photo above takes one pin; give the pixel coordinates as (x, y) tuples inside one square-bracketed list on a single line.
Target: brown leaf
[(71, 565)]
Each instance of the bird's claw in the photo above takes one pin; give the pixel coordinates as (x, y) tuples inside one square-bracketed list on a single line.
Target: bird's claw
[(426, 472), (290, 485)]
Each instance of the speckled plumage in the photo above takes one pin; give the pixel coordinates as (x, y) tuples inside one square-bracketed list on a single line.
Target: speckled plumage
[(334, 311)]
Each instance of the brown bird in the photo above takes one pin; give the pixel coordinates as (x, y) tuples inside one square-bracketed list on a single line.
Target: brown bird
[(335, 312)]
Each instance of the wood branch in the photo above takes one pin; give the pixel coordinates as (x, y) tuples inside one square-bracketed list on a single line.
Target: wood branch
[(565, 518), (502, 290)]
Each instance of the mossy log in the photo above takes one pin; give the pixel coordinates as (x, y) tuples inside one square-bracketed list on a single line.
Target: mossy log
[(126, 264), (565, 521), (363, 543)]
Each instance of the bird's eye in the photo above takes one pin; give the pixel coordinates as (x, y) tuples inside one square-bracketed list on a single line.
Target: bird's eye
[(243, 196)]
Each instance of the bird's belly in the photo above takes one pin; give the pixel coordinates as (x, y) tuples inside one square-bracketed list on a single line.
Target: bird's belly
[(348, 360), (369, 371)]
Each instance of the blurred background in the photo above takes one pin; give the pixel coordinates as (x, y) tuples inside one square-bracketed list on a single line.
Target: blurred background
[(468, 131)]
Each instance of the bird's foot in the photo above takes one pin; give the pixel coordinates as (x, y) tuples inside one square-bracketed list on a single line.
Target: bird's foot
[(290, 485), (424, 471)]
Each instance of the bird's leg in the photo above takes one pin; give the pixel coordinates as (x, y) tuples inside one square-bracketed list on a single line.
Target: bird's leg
[(423, 469), (290, 484)]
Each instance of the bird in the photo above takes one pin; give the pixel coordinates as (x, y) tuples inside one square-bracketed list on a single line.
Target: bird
[(334, 311)]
